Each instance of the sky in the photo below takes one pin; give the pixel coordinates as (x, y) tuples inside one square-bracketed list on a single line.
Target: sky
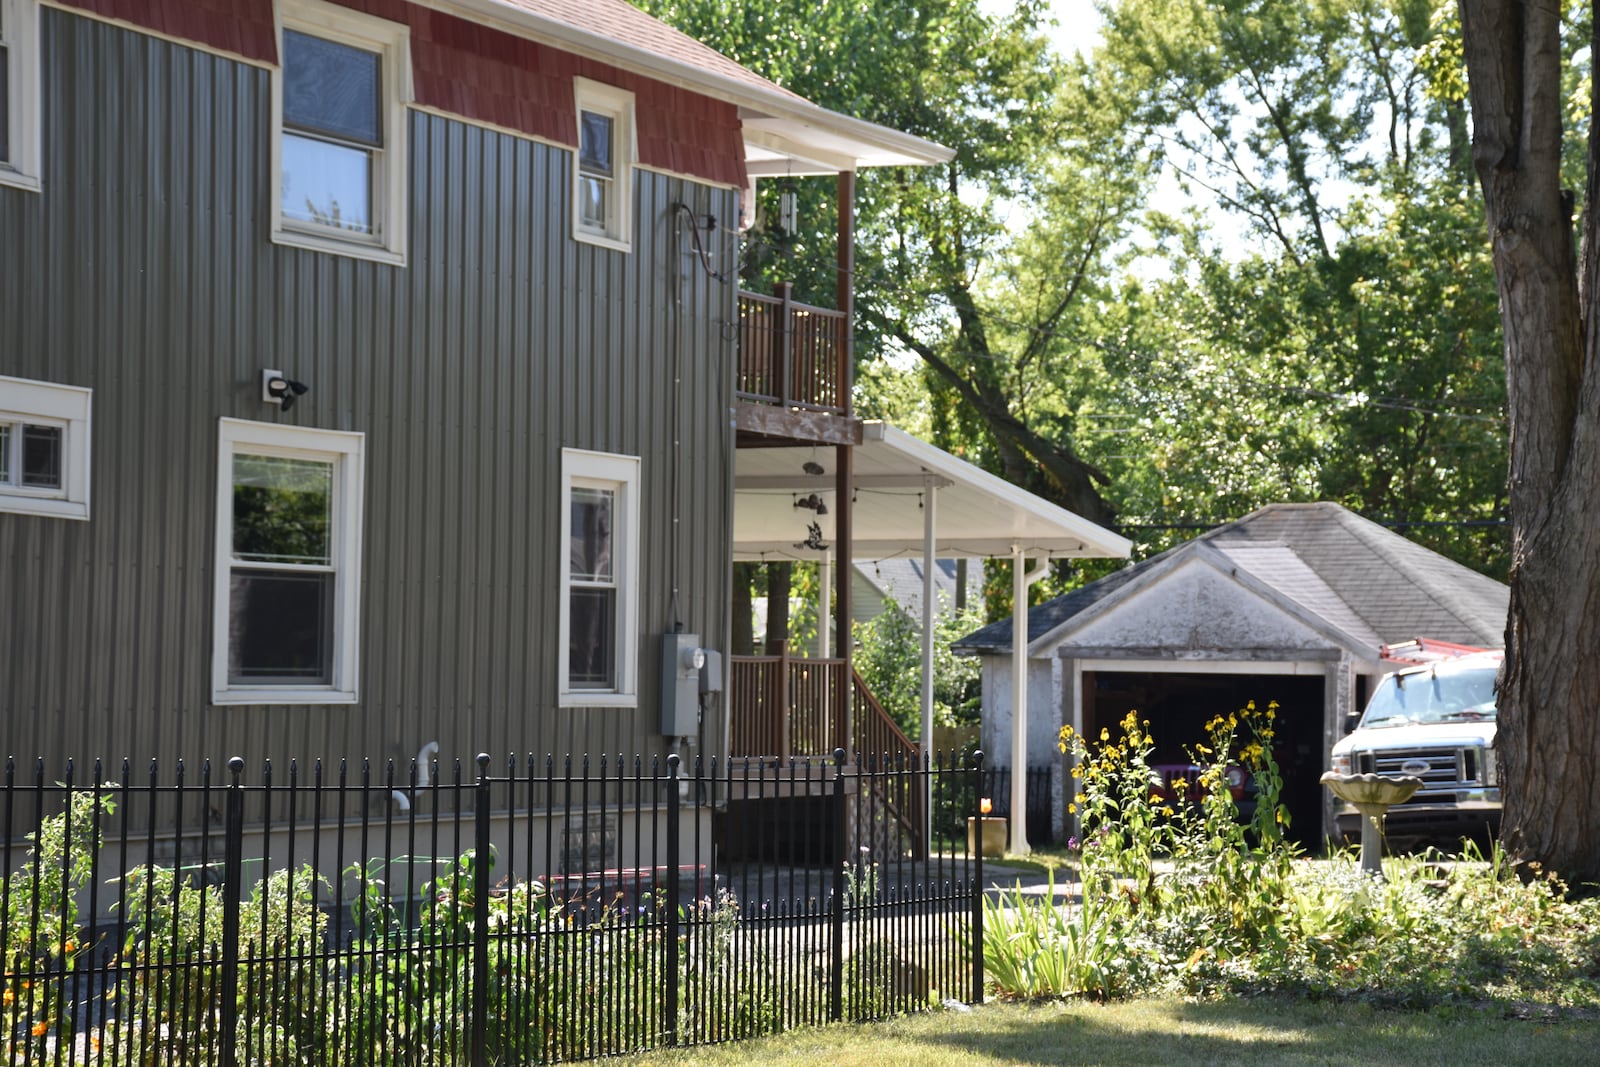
[(1077, 24)]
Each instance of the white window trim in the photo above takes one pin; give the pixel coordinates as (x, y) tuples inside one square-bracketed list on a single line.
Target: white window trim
[(618, 103), (604, 470), (21, 21), (392, 41), (50, 404), (347, 451)]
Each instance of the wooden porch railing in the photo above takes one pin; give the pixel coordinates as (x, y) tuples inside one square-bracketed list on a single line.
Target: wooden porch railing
[(788, 707), (785, 707), (791, 354)]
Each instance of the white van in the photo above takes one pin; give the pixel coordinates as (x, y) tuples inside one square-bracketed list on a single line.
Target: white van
[(1436, 722)]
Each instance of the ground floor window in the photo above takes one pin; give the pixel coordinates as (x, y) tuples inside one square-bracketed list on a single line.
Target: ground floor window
[(44, 448), (599, 578), (288, 564)]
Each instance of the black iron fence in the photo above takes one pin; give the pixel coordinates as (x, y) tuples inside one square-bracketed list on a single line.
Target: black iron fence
[(528, 912)]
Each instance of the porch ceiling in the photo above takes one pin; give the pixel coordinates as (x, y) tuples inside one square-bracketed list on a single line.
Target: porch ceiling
[(977, 514)]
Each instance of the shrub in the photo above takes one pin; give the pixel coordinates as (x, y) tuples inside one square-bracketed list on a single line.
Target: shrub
[(1187, 899)]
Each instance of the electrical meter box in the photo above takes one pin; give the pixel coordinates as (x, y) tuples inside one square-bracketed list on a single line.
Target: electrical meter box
[(681, 660)]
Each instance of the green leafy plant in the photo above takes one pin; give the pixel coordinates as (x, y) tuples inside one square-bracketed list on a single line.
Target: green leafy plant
[(172, 995), (39, 910)]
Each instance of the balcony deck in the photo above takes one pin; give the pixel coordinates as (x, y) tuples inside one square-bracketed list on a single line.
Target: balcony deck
[(793, 380)]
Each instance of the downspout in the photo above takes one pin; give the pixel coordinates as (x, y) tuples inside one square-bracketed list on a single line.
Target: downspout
[(1019, 697)]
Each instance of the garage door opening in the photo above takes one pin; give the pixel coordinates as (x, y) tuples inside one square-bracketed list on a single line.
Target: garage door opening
[(1178, 706)]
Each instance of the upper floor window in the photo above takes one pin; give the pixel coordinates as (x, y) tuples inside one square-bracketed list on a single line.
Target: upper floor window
[(603, 178), (19, 93), (44, 448), (288, 565), (599, 632), (339, 131)]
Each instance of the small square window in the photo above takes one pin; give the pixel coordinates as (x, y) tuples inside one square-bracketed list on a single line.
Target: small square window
[(44, 448), (339, 132), (603, 175), (288, 565), (599, 579), (19, 93)]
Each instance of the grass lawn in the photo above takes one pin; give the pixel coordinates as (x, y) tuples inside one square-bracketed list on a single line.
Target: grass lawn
[(1166, 1033)]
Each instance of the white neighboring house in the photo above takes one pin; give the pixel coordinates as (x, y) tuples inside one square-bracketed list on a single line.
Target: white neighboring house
[(1289, 603)]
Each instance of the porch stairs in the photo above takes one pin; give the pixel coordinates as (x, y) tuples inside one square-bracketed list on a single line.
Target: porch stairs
[(785, 713)]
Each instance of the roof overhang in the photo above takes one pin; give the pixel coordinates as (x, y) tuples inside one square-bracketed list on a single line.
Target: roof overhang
[(785, 134), (977, 515)]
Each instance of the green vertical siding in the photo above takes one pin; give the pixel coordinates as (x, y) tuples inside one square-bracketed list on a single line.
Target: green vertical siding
[(145, 270)]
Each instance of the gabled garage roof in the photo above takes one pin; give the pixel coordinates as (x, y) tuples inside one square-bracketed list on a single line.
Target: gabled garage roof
[(1358, 578), (978, 515)]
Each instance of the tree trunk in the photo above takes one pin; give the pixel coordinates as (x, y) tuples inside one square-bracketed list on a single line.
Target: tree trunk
[(1549, 733), (779, 578), (744, 639)]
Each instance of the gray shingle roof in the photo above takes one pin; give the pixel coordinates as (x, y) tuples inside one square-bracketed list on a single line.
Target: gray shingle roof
[(1366, 580), (900, 580)]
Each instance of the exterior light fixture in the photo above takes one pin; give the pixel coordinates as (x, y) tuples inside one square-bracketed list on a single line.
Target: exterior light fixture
[(276, 389)]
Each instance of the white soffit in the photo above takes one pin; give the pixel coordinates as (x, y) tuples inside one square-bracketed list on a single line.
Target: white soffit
[(979, 515)]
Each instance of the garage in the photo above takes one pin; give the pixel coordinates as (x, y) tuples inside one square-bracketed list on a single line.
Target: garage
[(1290, 603), (1178, 706)]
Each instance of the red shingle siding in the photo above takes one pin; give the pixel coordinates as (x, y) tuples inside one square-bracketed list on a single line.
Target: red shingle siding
[(241, 28), (482, 74)]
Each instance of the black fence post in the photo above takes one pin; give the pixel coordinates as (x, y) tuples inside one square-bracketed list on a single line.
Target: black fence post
[(669, 1010), (480, 918), (841, 828), (975, 842), (232, 877)]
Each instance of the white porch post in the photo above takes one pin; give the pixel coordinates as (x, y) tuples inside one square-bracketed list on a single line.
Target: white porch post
[(1020, 581), (825, 606), (930, 495)]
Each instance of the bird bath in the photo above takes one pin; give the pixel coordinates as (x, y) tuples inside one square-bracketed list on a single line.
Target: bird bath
[(1372, 795)]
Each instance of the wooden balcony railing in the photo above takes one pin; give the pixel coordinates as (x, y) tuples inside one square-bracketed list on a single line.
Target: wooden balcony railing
[(791, 354)]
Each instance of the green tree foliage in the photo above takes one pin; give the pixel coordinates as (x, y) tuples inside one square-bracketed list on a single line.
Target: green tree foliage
[(888, 656), (967, 270), (1320, 324), (1341, 342)]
